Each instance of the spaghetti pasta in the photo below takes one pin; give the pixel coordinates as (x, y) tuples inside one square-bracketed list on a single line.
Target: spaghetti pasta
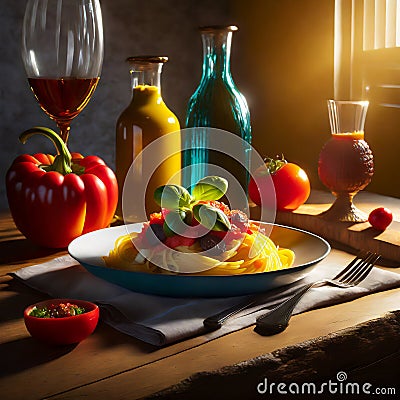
[(256, 253), (224, 242)]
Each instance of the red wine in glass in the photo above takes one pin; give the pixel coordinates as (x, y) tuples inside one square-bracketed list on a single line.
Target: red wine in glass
[(62, 50)]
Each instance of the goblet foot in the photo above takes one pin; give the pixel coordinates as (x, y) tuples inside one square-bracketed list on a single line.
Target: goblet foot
[(344, 210)]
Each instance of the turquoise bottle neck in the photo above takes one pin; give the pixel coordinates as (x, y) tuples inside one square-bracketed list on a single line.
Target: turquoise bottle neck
[(216, 53)]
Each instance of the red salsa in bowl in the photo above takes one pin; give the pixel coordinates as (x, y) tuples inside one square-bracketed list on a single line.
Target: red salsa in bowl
[(61, 321), (60, 310)]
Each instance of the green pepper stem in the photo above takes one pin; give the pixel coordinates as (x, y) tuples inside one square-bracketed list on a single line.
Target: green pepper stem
[(63, 161)]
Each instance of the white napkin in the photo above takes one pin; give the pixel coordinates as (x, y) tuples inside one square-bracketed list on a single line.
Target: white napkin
[(163, 320)]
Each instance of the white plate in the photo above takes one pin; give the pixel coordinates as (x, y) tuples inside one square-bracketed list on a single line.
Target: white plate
[(309, 249)]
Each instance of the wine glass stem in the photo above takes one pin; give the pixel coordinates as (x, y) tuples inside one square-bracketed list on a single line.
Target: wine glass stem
[(64, 130)]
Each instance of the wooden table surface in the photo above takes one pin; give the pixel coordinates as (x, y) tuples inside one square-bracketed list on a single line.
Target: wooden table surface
[(112, 365)]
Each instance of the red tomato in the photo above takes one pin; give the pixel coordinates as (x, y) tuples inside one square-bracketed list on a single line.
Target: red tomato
[(380, 218), (292, 186)]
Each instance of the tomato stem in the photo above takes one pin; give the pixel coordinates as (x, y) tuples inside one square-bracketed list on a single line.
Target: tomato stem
[(63, 161), (274, 164)]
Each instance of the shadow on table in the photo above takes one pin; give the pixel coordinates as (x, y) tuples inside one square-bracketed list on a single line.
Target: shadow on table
[(108, 337), (29, 353), (16, 298), (19, 250)]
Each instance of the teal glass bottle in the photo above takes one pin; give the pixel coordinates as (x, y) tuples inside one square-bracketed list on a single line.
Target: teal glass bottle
[(216, 103)]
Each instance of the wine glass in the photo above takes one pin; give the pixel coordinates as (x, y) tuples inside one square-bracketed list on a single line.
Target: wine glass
[(62, 50), (346, 163)]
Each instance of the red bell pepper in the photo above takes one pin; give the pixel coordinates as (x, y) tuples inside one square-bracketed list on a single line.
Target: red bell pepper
[(53, 200)]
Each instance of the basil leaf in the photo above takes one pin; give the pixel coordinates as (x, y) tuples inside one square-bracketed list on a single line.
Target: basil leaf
[(212, 218), (174, 223), (223, 223), (172, 197), (210, 188)]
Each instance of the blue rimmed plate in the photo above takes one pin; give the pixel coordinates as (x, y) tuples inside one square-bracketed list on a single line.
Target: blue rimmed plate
[(309, 249)]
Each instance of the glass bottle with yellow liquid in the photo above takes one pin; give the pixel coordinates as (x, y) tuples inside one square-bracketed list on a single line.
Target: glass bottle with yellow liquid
[(146, 119)]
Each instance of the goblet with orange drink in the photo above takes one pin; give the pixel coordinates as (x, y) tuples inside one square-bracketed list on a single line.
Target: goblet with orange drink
[(346, 162)]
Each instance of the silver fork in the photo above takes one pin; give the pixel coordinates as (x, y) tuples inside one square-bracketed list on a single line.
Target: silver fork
[(277, 320)]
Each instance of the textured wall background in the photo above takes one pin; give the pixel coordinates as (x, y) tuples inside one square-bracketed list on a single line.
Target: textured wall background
[(282, 61), (132, 27)]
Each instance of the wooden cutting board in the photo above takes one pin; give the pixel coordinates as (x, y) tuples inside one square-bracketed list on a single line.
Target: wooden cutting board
[(355, 236)]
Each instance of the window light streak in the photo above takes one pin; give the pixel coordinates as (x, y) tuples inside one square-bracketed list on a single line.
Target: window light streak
[(397, 23), (381, 24), (390, 31), (369, 24), (337, 58)]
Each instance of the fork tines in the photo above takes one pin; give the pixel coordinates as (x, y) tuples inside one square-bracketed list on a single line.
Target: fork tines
[(359, 268)]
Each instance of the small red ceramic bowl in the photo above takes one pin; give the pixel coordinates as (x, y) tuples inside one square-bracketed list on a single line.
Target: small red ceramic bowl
[(64, 330)]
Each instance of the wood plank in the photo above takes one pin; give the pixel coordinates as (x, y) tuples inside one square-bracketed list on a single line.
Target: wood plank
[(16, 251), (372, 343), (113, 363), (356, 236), (50, 370), (235, 348), (53, 369)]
